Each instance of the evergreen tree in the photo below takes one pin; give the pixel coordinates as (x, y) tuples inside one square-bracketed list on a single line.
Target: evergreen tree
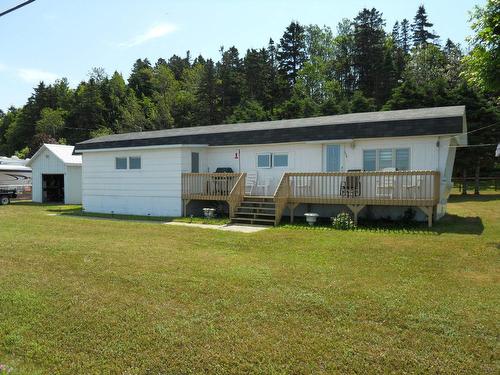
[(207, 98), (342, 63), (292, 51), (396, 36), (141, 78), (404, 36), (257, 74), (369, 52), (421, 35), (230, 74)]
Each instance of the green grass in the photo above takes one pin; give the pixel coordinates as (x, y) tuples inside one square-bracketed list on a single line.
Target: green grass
[(82, 296)]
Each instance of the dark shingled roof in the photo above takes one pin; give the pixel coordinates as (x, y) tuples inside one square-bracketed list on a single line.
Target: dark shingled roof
[(400, 123)]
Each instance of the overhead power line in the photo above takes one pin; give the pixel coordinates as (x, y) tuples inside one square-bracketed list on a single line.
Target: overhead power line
[(16, 7)]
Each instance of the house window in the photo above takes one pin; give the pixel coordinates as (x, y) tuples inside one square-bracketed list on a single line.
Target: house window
[(402, 159), (264, 160), (370, 160), (120, 163), (375, 160), (134, 162), (280, 160), (385, 159)]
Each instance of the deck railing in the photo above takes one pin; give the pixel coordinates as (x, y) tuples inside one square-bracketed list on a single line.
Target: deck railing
[(412, 188), (236, 194), (281, 195), (209, 186)]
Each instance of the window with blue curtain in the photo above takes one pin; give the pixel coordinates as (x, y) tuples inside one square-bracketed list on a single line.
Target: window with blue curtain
[(370, 160)]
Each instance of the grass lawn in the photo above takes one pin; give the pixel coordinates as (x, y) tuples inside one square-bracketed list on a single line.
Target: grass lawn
[(83, 296)]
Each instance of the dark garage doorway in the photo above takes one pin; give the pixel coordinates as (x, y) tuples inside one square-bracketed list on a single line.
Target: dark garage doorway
[(53, 188)]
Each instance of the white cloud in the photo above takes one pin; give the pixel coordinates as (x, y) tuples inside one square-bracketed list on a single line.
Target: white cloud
[(36, 75), (155, 32), (3, 67)]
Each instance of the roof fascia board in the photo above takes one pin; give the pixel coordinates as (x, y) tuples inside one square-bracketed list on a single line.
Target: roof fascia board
[(140, 148)]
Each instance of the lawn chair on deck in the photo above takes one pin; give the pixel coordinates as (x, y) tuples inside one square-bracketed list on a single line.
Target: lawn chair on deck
[(351, 186), (250, 183), (384, 185)]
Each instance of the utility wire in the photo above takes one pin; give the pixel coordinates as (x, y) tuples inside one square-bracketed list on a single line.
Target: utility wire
[(16, 7)]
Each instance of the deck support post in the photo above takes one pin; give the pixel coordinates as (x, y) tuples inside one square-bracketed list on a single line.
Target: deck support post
[(185, 203), (429, 211), (292, 207), (356, 208)]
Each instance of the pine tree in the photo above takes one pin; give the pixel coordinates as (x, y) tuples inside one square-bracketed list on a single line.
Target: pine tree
[(343, 58), (369, 51), (421, 35), (230, 75), (141, 78), (396, 36), (405, 36), (292, 51), (207, 96)]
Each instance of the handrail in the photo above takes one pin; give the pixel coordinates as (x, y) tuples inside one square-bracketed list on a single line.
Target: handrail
[(237, 194), (280, 197)]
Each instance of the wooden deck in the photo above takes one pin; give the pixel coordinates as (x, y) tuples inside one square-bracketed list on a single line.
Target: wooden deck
[(353, 189)]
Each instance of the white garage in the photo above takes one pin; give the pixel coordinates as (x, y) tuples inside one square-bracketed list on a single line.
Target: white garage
[(57, 175)]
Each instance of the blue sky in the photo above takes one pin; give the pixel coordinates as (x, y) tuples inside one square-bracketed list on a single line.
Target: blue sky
[(53, 38)]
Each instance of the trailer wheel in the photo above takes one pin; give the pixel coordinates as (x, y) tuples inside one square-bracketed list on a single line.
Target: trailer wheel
[(4, 200)]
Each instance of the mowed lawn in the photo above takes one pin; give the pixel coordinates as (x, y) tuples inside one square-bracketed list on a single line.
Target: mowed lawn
[(85, 296)]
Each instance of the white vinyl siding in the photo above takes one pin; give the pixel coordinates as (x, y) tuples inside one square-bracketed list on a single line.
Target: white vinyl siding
[(155, 191)]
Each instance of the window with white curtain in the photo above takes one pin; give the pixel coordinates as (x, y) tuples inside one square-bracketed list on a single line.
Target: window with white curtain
[(376, 160)]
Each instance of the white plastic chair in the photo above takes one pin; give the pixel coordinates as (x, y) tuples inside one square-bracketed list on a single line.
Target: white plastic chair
[(412, 186), (250, 182), (385, 184), (264, 184)]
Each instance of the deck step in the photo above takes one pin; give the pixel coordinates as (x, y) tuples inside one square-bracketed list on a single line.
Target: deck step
[(248, 202), (268, 210), (254, 209), (248, 220), (253, 214)]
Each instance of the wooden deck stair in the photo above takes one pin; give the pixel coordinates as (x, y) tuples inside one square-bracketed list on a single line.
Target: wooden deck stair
[(255, 210)]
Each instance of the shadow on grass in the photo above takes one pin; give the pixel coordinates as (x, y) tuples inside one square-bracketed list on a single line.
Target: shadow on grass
[(77, 212), (474, 198), (448, 224)]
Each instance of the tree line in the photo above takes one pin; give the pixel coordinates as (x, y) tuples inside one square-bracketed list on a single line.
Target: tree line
[(310, 71)]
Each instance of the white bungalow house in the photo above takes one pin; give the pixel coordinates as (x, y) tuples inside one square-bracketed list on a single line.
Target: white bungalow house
[(57, 175), (377, 163)]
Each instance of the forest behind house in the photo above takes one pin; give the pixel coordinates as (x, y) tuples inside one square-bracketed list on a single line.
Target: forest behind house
[(310, 71)]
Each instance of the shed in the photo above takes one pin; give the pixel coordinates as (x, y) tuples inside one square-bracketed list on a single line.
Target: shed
[(57, 175)]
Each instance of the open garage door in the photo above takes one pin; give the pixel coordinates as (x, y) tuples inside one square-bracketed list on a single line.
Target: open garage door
[(53, 188)]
